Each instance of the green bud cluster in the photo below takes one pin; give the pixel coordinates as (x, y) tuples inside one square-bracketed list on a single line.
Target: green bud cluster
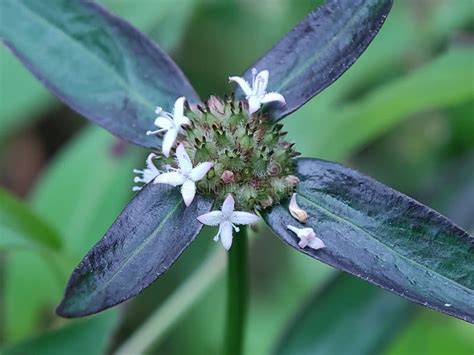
[(252, 161)]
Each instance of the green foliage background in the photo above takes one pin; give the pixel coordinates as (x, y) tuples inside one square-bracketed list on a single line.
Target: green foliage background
[(404, 113)]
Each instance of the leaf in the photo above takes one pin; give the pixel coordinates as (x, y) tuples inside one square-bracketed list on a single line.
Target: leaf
[(21, 228), (164, 21), (324, 324), (86, 186), (89, 336), (81, 192), (24, 98), (147, 237), (434, 334), (319, 50), (96, 63), (383, 237)]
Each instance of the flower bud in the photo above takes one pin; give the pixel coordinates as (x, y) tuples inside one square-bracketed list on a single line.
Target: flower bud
[(296, 211), (292, 180), (266, 202), (227, 176)]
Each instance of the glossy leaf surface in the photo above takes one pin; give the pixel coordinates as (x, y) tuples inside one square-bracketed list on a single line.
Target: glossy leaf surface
[(96, 63), (383, 237), (319, 50), (147, 237), (333, 314), (22, 228)]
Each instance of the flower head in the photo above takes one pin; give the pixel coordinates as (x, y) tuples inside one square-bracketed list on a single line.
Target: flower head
[(307, 238), (185, 175), (147, 174), (171, 123), (257, 94), (226, 219)]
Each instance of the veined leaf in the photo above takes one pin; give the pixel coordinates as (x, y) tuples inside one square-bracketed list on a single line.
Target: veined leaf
[(340, 307), (383, 237), (21, 228), (24, 98), (147, 237), (90, 336), (95, 62), (319, 50)]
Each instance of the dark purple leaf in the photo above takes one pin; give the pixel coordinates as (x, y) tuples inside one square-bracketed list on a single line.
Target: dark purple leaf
[(319, 50), (96, 63), (145, 240), (383, 237)]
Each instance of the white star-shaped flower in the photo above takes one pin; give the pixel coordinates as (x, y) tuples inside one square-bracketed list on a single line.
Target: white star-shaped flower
[(147, 174), (257, 94), (171, 123), (226, 219), (185, 175), (307, 238)]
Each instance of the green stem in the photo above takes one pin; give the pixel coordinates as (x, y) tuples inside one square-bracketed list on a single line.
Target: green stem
[(237, 291)]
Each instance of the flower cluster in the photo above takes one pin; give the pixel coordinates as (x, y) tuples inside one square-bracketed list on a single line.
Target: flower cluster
[(239, 155)]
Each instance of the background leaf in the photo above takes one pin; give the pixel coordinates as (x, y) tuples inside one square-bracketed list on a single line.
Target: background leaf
[(81, 193), (358, 122), (331, 319), (89, 336), (145, 239), (319, 50), (383, 237), (21, 228), (102, 67)]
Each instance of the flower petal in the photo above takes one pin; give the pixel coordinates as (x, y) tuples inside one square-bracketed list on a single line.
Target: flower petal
[(244, 218), (178, 108), (244, 85), (168, 141), (198, 172), (212, 218), (272, 97), (183, 159), (149, 162), (228, 205), (182, 121), (296, 230), (261, 82), (316, 243), (171, 178), (254, 104), (163, 122), (188, 190), (226, 235)]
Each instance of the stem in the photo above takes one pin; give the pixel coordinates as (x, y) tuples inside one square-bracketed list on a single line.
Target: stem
[(237, 286), (175, 306)]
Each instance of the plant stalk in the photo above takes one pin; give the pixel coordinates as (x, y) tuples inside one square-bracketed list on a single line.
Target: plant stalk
[(237, 292)]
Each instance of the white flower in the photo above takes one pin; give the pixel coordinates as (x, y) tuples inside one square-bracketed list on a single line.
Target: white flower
[(307, 238), (226, 219), (171, 123), (257, 95), (186, 175), (147, 174), (296, 211)]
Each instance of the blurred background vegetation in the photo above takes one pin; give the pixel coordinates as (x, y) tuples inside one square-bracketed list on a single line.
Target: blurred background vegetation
[(404, 113)]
